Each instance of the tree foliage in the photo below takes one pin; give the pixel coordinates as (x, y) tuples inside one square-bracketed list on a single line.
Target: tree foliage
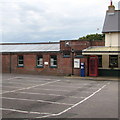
[(93, 37)]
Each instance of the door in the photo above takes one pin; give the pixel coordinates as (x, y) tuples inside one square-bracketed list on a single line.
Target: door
[(93, 66)]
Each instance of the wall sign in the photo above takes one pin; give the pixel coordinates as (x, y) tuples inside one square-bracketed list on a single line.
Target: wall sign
[(45, 63), (76, 63)]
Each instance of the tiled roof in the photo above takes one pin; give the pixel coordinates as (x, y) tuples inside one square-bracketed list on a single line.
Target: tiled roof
[(111, 23)]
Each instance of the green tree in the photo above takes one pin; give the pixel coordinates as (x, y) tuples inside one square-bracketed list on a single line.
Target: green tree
[(93, 37)]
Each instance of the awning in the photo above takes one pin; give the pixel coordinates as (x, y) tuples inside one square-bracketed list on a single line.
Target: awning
[(101, 50)]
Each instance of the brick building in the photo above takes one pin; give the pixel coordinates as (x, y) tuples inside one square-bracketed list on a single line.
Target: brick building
[(65, 57), (54, 58)]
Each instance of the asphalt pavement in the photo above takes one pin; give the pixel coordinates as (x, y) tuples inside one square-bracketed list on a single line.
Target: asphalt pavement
[(35, 96)]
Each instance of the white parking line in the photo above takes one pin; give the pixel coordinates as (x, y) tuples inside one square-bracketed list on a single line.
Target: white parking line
[(93, 88), (7, 86), (48, 94), (80, 102), (37, 101), (65, 86), (53, 89), (32, 86), (21, 111), (87, 92), (23, 82), (8, 79), (108, 83), (43, 79), (15, 82), (5, 92)]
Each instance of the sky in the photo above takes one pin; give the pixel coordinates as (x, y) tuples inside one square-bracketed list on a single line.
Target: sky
[(51, 20)]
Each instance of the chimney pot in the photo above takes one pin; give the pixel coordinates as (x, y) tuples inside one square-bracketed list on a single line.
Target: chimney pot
[(111, 8)]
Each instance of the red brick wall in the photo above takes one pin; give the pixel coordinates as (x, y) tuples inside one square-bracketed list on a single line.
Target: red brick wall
[(98, 43), (30, 64), (6, 63), (64, 64), (77, 70), (79, 45), (74, 44)]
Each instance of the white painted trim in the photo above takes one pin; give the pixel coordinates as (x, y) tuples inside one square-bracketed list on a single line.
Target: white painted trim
[(100, 53)]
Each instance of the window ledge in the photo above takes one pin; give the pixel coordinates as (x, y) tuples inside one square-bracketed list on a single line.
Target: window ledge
[(66, 56), (39, 67), (53, 66), (79, 57), (20, 66)]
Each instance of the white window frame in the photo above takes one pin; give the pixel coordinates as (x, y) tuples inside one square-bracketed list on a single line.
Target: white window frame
[(113, 61), (53, 61), (20, 60), (39, 60)]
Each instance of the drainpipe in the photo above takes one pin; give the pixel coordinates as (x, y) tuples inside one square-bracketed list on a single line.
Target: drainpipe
[(72, 50), (10, 64)]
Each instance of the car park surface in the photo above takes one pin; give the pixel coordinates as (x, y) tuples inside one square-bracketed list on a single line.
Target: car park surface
[(36, 96)]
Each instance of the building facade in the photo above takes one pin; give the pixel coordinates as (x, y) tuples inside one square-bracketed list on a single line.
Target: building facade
[(46, 58), (67, 57), (109, 55)]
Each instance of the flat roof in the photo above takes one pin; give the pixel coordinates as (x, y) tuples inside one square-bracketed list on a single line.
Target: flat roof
[(30, 47)]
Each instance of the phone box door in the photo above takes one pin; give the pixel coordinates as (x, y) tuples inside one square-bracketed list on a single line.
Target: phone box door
[(93, 66)]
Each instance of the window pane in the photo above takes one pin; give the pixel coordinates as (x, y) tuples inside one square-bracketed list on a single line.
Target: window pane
[(39, 60), (52, 64), (99, 60), (78, 53), (20, 60), (66, 53), (39, 63), (53, 60), (113, 60), (20, 57)]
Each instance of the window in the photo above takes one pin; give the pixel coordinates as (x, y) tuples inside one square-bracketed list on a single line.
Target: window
[(53, 60), (39, 61), (113, 61), (99, 60), (78, 53), (20, 61), (66, 54)]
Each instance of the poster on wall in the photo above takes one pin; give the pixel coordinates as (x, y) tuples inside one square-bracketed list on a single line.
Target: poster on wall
[(76, 63), (45, 63)]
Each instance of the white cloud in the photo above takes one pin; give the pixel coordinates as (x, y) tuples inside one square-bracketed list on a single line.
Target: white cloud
[(51, 20)]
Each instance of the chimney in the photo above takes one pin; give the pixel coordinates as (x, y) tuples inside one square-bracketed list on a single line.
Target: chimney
[(111, 8)]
